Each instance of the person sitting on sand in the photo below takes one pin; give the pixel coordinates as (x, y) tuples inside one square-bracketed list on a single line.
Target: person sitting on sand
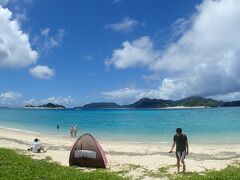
[(181, 142), (36, 146)]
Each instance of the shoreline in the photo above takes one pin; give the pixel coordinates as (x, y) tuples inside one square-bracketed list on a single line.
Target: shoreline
[(122, 155), (42, 108), (122, 108), (129, 141)]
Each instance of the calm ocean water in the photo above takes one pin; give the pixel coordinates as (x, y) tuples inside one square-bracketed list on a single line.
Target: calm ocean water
[(210, 125)]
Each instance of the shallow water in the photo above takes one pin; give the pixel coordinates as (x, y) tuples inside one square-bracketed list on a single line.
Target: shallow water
[(207, 125)]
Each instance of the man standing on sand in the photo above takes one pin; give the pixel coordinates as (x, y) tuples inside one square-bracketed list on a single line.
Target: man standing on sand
[(75, 129), (181, 142), (71, 131)]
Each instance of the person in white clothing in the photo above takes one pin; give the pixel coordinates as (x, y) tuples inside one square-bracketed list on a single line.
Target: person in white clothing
[(36, 146)]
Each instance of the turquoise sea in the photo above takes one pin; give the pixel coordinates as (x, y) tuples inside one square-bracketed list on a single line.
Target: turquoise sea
[(207, 125)]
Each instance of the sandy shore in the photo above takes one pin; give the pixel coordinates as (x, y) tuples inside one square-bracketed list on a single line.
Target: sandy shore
[(132, 158)]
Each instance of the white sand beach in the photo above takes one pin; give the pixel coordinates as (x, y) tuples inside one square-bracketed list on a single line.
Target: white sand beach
[(122, 155)]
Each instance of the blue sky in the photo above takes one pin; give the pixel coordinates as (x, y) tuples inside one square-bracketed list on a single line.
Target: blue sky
[(116, 50)]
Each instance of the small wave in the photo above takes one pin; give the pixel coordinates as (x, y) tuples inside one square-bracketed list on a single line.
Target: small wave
[(135, 141), (19, 130), (152, 142)]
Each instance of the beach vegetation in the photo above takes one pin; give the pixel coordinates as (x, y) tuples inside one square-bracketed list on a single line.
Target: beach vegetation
[(231, 172), (126, 170), (48, 158), (15, 165), (160, 173)]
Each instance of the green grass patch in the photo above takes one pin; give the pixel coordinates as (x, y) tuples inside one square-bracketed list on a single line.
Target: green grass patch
[(19, 166), (160, 173), (232, 172), (48, 158), (125, 170)]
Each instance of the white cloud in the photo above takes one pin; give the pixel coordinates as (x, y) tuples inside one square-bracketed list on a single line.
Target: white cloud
[(204, 60), (66, 101), (53, 41), (15, 49), (16, 2), (169, 89), (179, 27), (152, 77), (138, 52), (42, 72), (47, 41), (45, 32), (14, 99), (122, 93), (18, 7), (9, 97), (126, 25), (125, 95), (227, 97), (21, 16), (132, 94), (88, 57)]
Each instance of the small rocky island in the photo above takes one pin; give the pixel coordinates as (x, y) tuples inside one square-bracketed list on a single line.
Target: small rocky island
[(46, 106)]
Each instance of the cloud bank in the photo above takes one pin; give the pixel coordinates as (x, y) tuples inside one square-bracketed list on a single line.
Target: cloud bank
[(204, 60), (66, 101), (15, 99), (15, 49), (9, 97)]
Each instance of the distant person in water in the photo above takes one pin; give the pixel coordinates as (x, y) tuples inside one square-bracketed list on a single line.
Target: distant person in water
[(181, 142), (58, 127), (36, 146), (75, 129), (71, 131)]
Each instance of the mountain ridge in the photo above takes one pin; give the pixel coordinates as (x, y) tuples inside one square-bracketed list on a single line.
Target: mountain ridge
[(192, 101)]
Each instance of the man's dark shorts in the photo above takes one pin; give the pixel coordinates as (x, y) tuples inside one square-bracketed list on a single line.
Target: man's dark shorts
[(180, 155)]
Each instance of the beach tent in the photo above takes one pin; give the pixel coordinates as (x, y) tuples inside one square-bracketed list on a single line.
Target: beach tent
[(87, 152)]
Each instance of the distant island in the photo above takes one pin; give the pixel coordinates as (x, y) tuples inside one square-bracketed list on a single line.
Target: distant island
[(46, 106), (147, 103), (231, 104), (101, 105), (144, 103)]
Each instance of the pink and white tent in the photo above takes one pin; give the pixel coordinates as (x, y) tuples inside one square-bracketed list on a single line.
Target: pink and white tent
[(87, 152)]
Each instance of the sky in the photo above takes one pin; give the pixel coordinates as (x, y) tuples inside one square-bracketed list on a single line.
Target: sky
[(77, 52)]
